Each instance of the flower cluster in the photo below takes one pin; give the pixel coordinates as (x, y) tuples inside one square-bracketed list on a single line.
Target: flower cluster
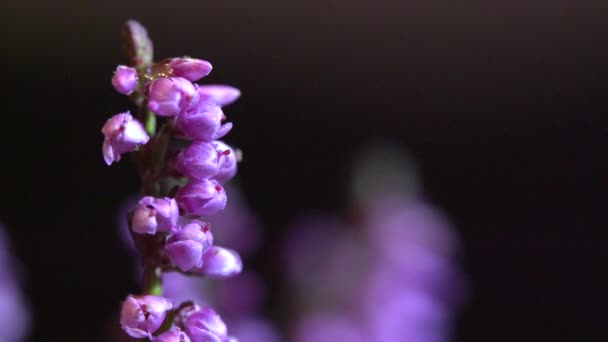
[(183, 168)]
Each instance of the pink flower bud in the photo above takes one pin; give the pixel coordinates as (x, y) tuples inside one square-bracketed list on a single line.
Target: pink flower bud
[(185, 248), (124, 79), (142, 315), (227, 162), (190, 68), (222, 95), (220, 263), (205, 325), (200, 160), (203, 122), (173, 335), (155, 214), (203, 198), (122, 134), (168, 96)]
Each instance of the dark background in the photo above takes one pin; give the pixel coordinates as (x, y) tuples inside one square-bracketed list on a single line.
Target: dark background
[(503, 104)]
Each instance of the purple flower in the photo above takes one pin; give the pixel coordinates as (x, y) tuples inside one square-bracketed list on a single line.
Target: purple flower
[(155, 214), (200, 160), (142, 315), (227, 162), (205, 325), (122, 134), (203, 198), (203, 121), (168, 96), (186, 247), (220, 263), (190, 68), (173, 335), (222, 95), (124, 79)]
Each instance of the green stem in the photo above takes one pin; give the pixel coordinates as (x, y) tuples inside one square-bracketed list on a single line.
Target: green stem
[(153, 284), (150, 123)]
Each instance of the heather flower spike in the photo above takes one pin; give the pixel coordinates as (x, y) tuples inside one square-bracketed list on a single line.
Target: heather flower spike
[(166, 241)]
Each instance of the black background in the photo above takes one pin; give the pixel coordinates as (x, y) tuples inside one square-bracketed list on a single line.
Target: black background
[(503, 103)]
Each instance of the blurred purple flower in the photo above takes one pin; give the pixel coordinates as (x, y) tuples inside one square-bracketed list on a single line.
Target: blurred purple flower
[(14, 313), (329, 327), (220, 263), (240, 295), (254, 329)]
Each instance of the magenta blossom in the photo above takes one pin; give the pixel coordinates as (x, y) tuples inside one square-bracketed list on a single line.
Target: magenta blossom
[(200, 160), (155, 214), (203, 121), (124, 79), (220, 263), (185, 248), (227, 162), (173, 335), (203, 198), (168, 96), (222, 95), (191, 69), (122, 134), (205, 325), (142, 315)]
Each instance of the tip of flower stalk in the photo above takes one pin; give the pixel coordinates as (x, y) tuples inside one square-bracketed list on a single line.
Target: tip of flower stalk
[(137, 46)]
